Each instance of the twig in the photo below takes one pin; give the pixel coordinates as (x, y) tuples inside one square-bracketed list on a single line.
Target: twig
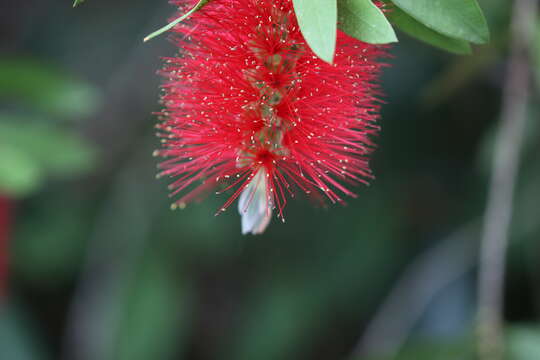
[(498, 214), (172, 24)]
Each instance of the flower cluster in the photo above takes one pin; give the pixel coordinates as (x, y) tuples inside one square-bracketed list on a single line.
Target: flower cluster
[(250, 109)]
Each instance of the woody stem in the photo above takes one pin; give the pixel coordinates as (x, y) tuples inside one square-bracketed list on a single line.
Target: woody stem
[(498, 213)]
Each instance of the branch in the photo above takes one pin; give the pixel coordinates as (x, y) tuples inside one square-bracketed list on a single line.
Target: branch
[(498, 214)]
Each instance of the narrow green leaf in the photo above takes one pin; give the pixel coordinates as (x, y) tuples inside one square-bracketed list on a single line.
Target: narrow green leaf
[(48, 90), (415, 29), (365, 21), (19, 173), (460, 19), (169, 26), (55, 151), (318, 23), (77, 2)]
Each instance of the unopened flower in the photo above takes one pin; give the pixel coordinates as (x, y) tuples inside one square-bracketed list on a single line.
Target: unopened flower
[(249, 109)]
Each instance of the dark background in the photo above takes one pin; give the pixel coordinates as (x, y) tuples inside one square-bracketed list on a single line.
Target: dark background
[(100, 267)]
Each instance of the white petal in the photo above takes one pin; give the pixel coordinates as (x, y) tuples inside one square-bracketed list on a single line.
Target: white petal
[(253, 205)]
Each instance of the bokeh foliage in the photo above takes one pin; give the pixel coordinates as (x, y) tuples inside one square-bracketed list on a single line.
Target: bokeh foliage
[(101, 268)]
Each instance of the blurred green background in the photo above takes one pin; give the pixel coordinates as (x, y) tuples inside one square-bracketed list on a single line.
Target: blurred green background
[(100, 268)]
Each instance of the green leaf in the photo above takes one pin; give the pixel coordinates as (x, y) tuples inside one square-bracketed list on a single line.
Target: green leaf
[(169, 26), (77, 3), (30, 151), (460, 19), (55, 151), (318, 23), (20, 174), (365, 21), (415, 29), (45, 88)]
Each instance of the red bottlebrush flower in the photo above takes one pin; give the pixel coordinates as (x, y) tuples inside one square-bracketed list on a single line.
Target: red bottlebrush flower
[(249, 107)]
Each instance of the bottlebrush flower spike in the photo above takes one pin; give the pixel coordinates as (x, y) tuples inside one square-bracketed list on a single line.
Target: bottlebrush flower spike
[(250, 109)]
